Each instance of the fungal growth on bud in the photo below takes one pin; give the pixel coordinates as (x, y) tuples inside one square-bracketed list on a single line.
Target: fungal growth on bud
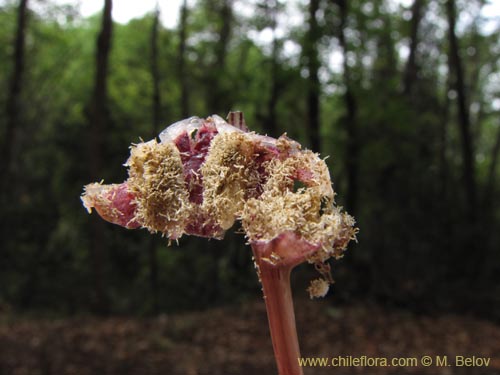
[(204, 174)]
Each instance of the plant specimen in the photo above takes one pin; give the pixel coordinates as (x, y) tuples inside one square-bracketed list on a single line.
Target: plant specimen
[(204, 174)]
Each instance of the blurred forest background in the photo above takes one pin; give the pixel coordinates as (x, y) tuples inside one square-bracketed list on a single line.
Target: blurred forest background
[(404, 96)]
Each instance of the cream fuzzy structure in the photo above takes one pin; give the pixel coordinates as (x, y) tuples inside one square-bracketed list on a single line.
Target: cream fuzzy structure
[(206, 174), (156, 180)]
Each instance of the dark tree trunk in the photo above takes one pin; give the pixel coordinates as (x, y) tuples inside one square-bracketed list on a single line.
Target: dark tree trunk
[(455, 66), (352, 154), (271, 124), (218, 98), (224, 33), (471, 231), (487, 268), (155, 76), (14, 94), (313, 87), (182, 61), (476, 64), (99, 118), (99, 115), (490, 181), (443, 162), (411, 69)]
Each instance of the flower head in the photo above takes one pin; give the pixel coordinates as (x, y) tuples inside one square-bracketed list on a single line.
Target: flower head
[(205, 174)]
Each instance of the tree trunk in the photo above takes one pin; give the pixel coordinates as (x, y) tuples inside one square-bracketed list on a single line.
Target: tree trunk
[(155, 76), (411, 70), (442, 146), (99, 118), (13, 109), (455, 65), (270, 124), (472, 268), (313, 86), (224, 33), (182, 61), (488, 216), (218, 99), (476, 65), (352, 154), (490, 181)]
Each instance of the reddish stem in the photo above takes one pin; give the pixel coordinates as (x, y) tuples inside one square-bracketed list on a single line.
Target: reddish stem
[(275, 280)]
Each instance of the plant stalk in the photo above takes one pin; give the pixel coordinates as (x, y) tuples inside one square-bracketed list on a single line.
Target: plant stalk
[(275, 279)]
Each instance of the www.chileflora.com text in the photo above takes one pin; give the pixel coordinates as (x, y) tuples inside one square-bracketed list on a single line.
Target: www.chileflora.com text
[(423, 361)]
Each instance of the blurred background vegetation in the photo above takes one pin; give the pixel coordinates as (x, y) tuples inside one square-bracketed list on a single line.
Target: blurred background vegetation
[(404, 96)]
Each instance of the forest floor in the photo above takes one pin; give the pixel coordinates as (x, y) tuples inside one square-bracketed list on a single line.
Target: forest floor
[(234, 340)]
